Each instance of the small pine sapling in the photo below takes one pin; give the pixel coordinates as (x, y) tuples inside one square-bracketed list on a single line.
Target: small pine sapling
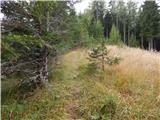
[(100, 55)]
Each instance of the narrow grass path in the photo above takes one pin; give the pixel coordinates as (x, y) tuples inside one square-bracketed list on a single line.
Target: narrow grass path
[(72, 61), (67, 87)]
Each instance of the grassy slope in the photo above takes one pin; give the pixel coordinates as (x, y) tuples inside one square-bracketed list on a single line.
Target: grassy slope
[(134, 86)]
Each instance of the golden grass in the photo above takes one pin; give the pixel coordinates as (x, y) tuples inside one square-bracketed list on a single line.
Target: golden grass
[(141, 65)]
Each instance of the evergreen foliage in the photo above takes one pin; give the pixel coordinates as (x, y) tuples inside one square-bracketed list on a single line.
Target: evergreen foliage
[(149, 21), (100, 55), (97, 12), (98, 30), (32, 31), (133, 42), (115, 37)]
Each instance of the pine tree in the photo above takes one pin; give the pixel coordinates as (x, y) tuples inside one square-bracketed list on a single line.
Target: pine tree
[(150, 18), (115, 37), (131, 17), (100, 56), (122, 13), (97, 13)]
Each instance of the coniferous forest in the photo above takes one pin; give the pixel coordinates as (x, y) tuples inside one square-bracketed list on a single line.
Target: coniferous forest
[(99, 64)]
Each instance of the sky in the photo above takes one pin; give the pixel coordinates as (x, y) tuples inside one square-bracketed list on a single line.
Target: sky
[(80, 7)]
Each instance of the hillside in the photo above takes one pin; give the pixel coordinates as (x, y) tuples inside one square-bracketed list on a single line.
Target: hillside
[(49, 72), (128, 91)]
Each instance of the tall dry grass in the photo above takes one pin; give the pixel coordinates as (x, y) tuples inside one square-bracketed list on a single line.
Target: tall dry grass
[(138, 79), (137, 60), (143, 65)]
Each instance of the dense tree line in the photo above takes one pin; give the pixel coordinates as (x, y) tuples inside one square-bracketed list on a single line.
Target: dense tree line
[(150, 23), (33, 31), (138, 27)]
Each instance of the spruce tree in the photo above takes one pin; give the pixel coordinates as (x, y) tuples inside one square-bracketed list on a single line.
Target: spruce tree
[(29, 31), (150, 18), (115, 37)]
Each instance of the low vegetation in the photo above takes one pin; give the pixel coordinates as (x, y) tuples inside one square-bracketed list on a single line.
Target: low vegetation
[(129, 90)]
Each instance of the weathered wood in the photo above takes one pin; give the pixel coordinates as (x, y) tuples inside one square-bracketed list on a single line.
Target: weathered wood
[(35, 69)]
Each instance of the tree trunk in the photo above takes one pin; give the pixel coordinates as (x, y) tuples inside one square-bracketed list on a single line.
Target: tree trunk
[(154, 44), (96, 15), (151, 44), (124, 32), (45, 71), (117, 22), (107, 31), (42, 78), (47, 22), (128, 33), (142, 43), (47, 18)]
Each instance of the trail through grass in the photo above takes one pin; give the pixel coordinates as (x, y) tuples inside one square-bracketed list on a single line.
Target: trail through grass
[(129, 91)]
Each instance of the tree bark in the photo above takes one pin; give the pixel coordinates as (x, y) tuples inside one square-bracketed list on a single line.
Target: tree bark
[(44, 72), (42, 78), (96, 15), (107, 31), (154, 44), (124, 32), (142, 43), (117, 22), (151, 44), (128, 33)]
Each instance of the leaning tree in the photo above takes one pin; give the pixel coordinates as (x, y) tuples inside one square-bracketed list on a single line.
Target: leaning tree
[(29, 31)]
